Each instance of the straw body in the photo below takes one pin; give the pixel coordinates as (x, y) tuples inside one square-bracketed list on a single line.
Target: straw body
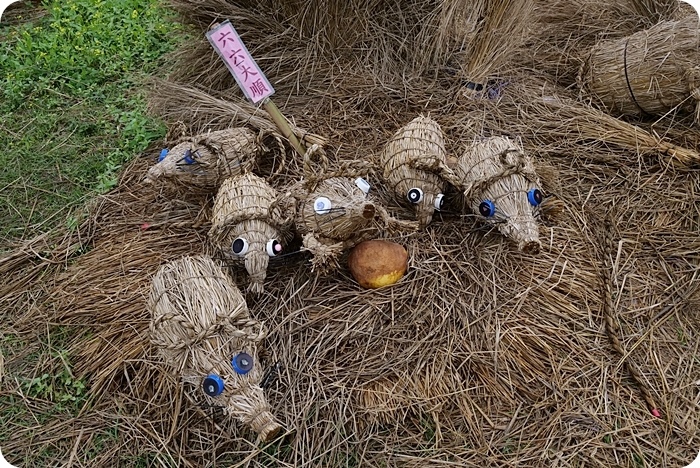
[(206, 160), (650, 72), (499, 183), (200, 323), (248, 225), (413, 159)]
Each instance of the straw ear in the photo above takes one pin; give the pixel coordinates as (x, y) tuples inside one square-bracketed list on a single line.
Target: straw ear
[(435, 164)]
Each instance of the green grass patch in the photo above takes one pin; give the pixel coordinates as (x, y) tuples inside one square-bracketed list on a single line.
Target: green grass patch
[(71, 113)]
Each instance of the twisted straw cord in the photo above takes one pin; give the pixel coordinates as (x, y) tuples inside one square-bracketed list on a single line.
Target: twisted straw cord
[(612, 327)]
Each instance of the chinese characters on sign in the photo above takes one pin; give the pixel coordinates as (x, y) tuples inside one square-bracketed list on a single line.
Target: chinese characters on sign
[(248, 75)]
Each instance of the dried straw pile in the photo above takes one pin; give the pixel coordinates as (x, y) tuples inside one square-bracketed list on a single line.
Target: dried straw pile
[(481, 355), (651, 72)]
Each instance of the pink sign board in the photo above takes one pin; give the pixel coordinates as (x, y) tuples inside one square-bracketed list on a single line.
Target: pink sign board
[(240, 63)]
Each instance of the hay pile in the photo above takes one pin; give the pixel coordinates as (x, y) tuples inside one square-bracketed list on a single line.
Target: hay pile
[(481, 355)]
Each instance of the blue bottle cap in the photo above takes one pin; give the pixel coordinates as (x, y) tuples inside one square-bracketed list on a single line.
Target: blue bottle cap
[(242, 363), (188, 157), (163, 154), (213, 385)]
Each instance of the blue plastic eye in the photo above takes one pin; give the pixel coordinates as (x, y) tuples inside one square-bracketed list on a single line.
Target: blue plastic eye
[(213, 385), (487, 208), (534, 196), (163, 154), (188, 157), (242, 363)]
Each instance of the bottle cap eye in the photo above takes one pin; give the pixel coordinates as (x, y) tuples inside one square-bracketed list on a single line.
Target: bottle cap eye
[(362, 184), (242, 363), (163, 154), (240, 246), (487, 208), (187, 159), (439, 201), (273, 247), (415, 195), (213, 385), (322, 205), (534, 196)]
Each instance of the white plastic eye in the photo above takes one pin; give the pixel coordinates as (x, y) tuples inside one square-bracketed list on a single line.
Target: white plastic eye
[(439, 201), (363, 185), (239, 247), (274, 248), (322, 205), (415, 195)]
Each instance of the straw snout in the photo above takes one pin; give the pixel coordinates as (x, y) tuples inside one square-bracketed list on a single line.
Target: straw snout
[(524, 231), (256, 262), (424, 212)]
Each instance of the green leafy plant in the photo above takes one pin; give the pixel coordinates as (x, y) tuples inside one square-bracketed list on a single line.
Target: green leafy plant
[(69, 106)]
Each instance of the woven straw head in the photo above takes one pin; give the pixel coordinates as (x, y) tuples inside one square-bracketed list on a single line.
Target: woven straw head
[(201, 327), (204, 161), (337, 209), (406, 161), (247, 225), (500, 184)]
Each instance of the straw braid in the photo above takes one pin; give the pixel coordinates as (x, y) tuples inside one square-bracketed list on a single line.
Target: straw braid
[(612, 327), (313, 177), (509, 169)]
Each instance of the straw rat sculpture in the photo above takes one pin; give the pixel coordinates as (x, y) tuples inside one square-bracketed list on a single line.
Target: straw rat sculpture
[(499, 183), (205, 160), (335, 212), (414, 161), (202, 329), (248, 225)]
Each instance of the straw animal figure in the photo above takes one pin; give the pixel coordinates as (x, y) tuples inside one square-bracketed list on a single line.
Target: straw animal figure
[(335, 212), (248, 225), (499, 182), (204, 333), (205, 160), (414, 163), (650, 72)]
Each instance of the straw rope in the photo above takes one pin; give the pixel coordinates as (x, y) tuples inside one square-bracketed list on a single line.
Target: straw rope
[(612, 326)]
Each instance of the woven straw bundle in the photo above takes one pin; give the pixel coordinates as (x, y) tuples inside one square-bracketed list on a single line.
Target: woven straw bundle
[(248, 225), (204, 161), (499, 183), (201, 326), (335, 211), (650, 72), (413, 162)]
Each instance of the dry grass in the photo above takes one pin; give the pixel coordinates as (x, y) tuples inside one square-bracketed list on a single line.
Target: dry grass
[(481, 355)]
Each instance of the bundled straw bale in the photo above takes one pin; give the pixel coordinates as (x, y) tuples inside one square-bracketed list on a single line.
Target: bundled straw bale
[(250, 223), (202, 328), (412, 162), (500, 184), (650, 72), (562, 32), (204, 161)]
